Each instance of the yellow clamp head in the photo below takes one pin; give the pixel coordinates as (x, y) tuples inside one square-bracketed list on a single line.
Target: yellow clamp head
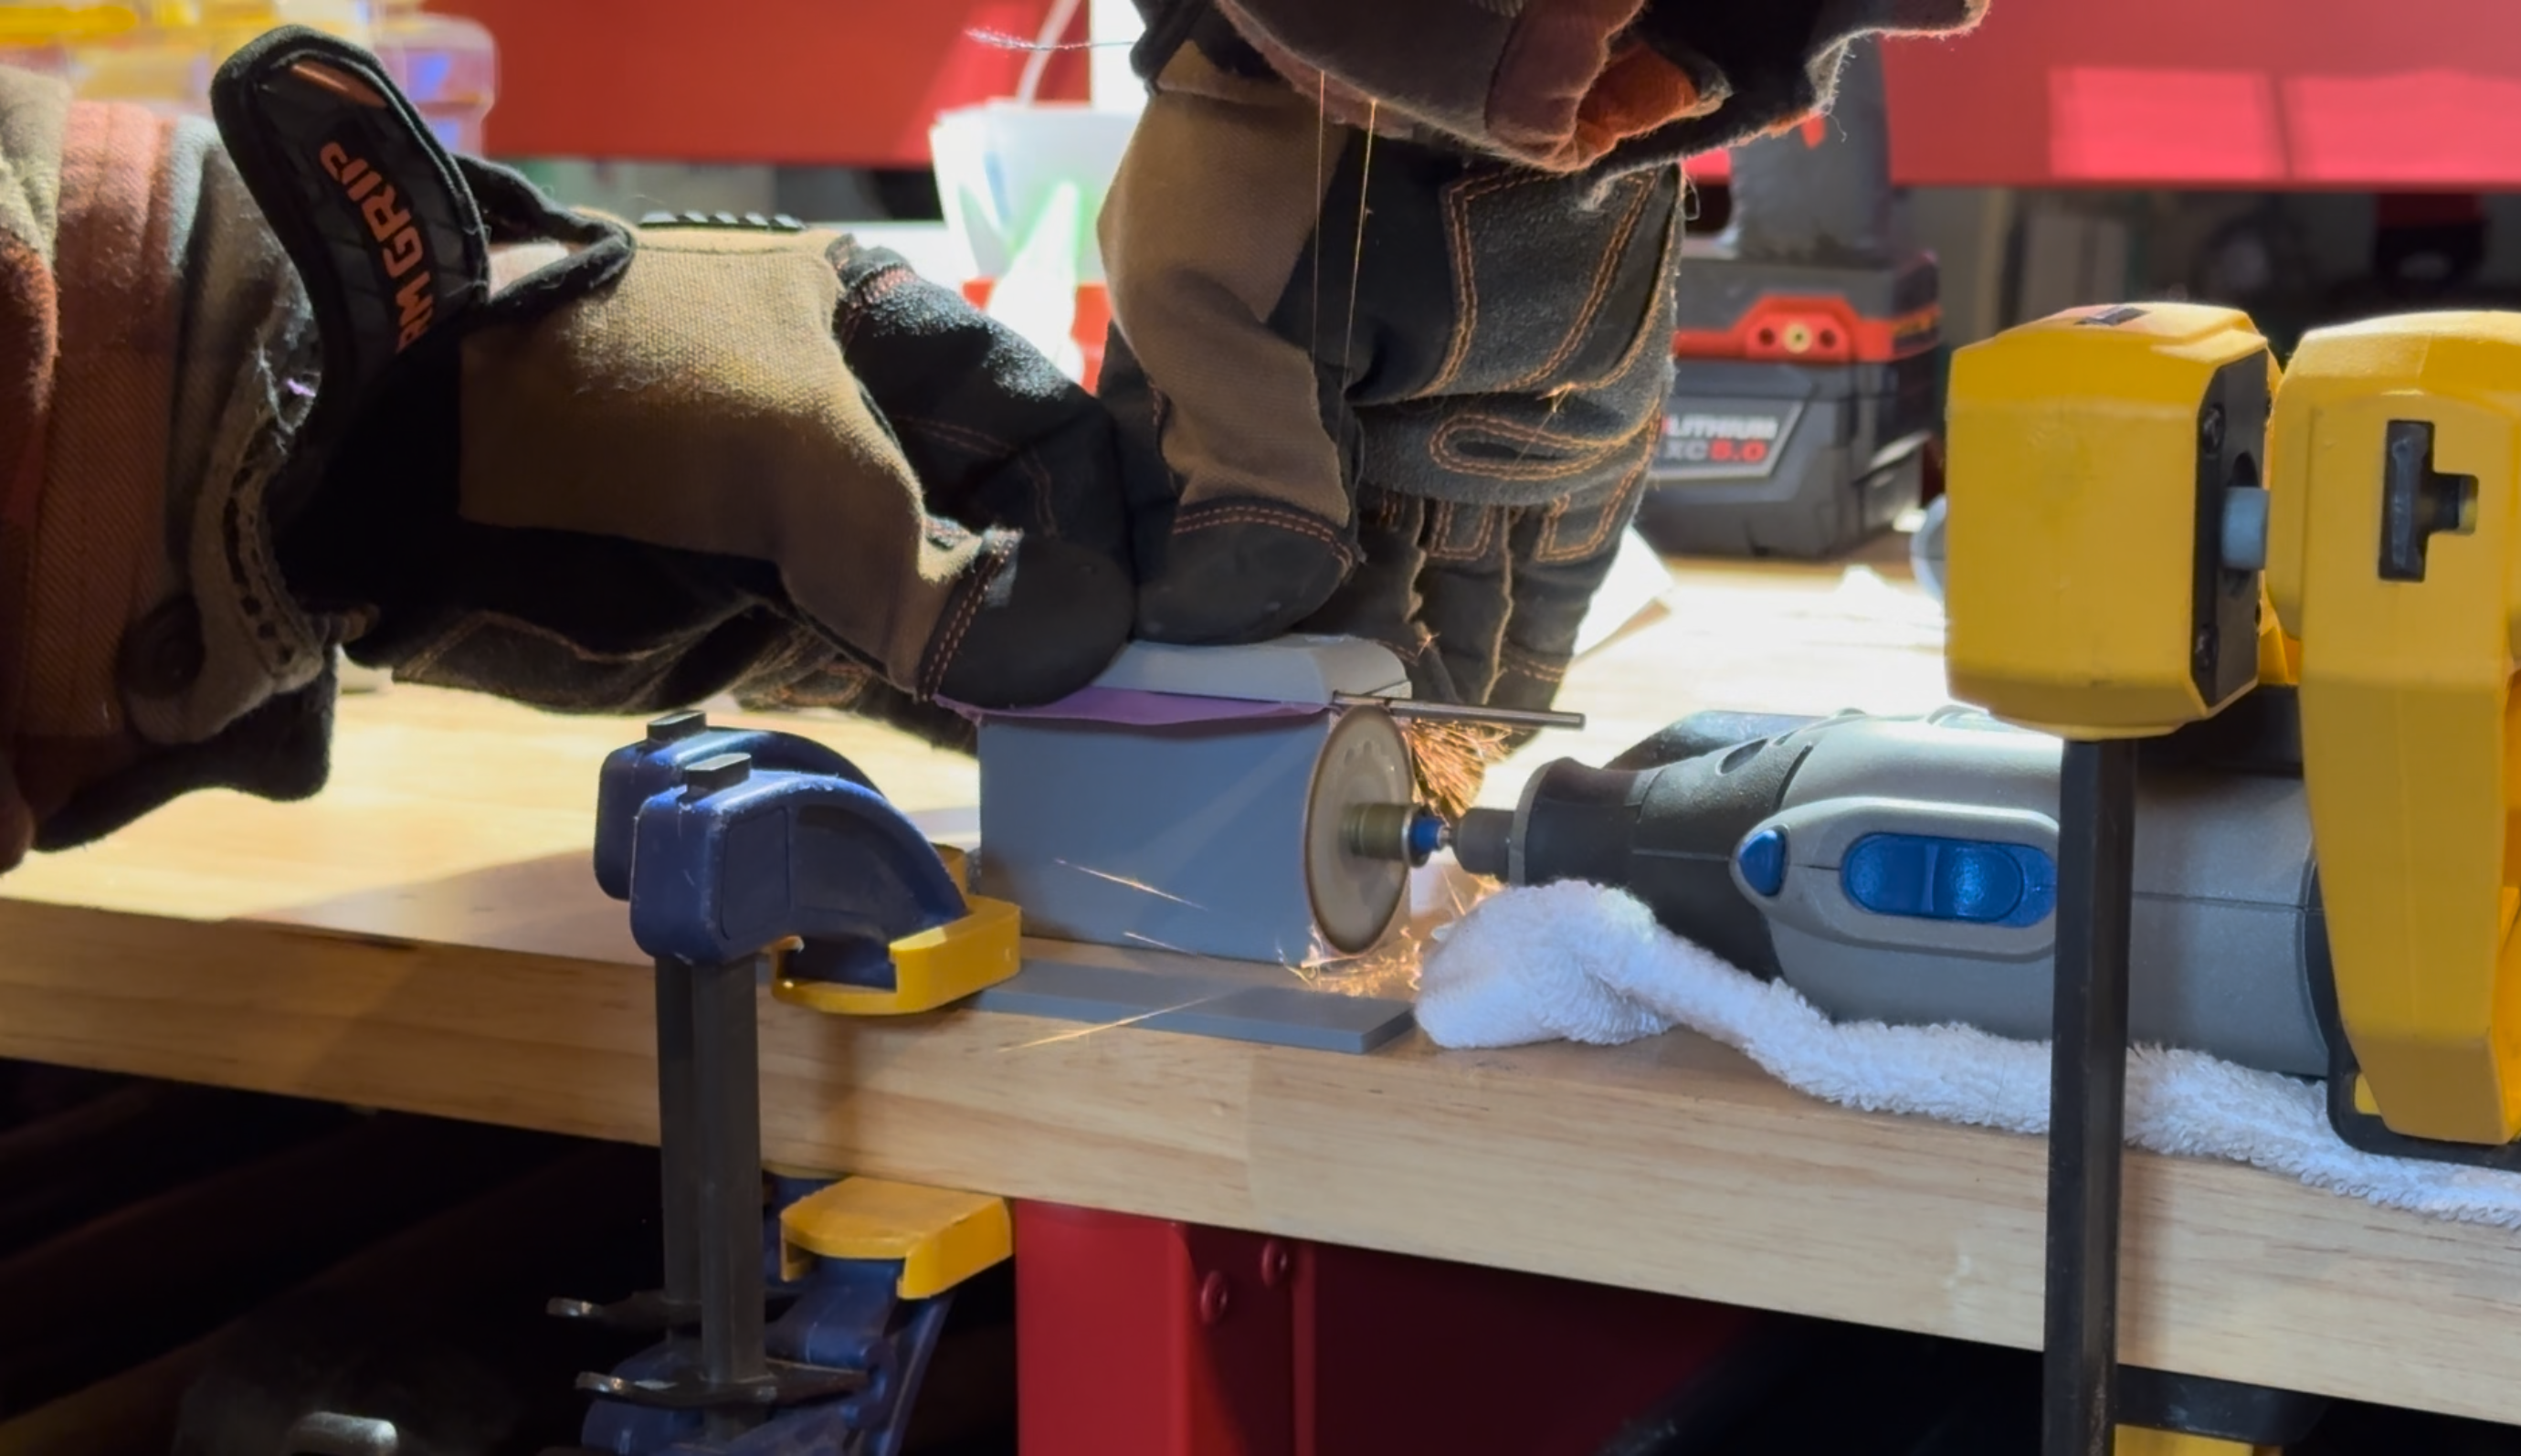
[(934, 968), (2109, 517), (2395, 556)]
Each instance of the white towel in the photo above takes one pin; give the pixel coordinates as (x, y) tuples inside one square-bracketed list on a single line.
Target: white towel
[(1580, 963)]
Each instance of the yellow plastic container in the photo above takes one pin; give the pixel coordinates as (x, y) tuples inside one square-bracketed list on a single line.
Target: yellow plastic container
[(155, 53), (38, 34), (32, 24), (162, 53)]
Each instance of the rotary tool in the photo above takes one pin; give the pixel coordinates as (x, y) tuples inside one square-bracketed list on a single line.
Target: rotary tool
[(1904, 870)]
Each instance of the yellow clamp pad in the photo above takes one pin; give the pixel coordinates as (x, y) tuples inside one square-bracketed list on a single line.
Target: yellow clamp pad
[(934, 968), (2089, 459), (941, 1237), (2395, 556), (2136, 1440)]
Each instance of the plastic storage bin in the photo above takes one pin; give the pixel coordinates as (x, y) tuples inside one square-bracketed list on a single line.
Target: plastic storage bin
[(162, 53), (155, 53), (447, 64)]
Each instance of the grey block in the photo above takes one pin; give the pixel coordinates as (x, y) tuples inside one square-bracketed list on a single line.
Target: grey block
[(1232, 1007), (1190, 839), (1213, 838), (1212, 852)]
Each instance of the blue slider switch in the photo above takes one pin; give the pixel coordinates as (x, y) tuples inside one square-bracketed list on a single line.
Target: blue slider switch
[(1971, 882)]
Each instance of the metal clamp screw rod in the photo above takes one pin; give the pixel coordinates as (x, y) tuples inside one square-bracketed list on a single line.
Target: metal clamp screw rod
[(2088, 1096), (726, 1072)]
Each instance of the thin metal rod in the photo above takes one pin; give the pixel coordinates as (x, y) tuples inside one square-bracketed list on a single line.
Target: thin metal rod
[(728, 1061), (2088, 1097), (1449, 712), (678, 1131)]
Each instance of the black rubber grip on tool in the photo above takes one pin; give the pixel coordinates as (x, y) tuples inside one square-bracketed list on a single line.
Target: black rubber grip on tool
[(1483, 842), (1667, 835), (1703, 733)]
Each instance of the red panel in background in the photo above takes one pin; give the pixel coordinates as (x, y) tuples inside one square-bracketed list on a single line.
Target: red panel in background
[(1139, 1337), (824, 82), (2417, 129), (2340, 94), (1400, 1354), (2382, 94), (2201, 129)]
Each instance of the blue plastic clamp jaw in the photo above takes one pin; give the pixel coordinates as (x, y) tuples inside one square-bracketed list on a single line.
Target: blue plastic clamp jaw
[(727, 842)]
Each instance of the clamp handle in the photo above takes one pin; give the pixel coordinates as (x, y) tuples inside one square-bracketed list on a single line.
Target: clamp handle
[(2396, 560)]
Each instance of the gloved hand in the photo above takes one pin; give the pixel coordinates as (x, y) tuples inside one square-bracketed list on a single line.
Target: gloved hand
[(491, 444), (611, 485), (1392, 318)]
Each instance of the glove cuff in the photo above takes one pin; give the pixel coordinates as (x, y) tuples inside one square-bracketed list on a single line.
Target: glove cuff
[(165, 356)]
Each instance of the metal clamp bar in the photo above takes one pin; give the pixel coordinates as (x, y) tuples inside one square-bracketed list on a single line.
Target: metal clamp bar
[(785, 1385), (726, 1067), (677, 1127), (2088, 1097)]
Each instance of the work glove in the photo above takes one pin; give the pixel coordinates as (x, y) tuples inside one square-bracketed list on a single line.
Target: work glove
[(1393, 319), (580, 464), (667, 453)]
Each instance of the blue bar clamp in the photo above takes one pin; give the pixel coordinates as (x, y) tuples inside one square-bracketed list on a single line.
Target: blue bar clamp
[(740, 850)]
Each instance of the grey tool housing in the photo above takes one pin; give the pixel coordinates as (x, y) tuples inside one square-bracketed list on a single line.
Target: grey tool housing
[(1219, 838), (1903, 870)]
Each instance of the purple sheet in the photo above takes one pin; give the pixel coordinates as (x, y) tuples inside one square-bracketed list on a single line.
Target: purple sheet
[(1136, 709)]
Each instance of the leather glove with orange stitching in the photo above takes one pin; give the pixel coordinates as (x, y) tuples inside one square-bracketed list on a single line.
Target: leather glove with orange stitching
[(1393, 303), (604, 484), (600, 468)]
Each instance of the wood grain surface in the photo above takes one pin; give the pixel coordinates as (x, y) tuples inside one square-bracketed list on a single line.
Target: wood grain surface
[(425, 936)]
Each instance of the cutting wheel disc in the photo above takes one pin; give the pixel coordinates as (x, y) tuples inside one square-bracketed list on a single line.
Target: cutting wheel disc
[(1364, 760)]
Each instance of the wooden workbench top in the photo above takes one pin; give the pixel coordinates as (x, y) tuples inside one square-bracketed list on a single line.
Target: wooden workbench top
[(426, 935)]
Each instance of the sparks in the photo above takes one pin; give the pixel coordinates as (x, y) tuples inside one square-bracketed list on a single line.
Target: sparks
[(1452, 761), (1125, 882), (1081, 1033), (1157, 944), (1374, 972)]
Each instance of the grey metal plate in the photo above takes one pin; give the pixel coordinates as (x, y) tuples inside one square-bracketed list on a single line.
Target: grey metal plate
[(1259, 1004)]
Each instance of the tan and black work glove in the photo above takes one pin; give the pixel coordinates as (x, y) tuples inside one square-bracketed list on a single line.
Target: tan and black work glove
[(1375, 386), (668, 461), (1393, 303)]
